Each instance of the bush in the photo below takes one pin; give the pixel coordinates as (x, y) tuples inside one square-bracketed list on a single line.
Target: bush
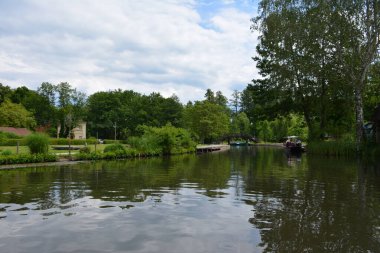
[(6, 135), (110, 155), (6, 152), (12, 142), (165, 140), (85, 150), (63, 141), (107, 141), (114, 148), (38, 143), (27, 158)]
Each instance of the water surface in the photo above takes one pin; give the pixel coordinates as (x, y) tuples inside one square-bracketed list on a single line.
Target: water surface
[(242, 200)]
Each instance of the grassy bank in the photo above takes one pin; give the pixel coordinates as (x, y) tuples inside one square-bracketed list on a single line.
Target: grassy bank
[(25, 149), (27, 158), (101, 154), (342, 149), (167, 140)]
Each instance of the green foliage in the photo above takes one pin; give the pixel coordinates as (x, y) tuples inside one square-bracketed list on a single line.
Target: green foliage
[(40, 106), (6, 135), (372, 91), (297, 126), (277, 129), (38, 143), (114, 148), (332, 148), (12, 142), (6, 152), (240, 124), (314, 58), (111, 141), (129, 109), (208, 120), (15, 115), (113, 155), (5, 92), (67, 105), (165, 140), (27, 158), (10, 139), (64, 141), (85, 150)]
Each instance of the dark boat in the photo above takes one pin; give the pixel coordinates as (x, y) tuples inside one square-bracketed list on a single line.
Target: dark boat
[(297, 149), (293, 146)]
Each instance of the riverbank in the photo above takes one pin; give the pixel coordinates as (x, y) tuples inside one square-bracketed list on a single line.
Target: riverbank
[(212, 148), (280, 145), (83, 158), (33, 165)]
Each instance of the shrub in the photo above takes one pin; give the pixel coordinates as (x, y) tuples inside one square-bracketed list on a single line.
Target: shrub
[(12, 142), (27, 158), (112, 155), (63, 141), (85, 150), (38, 143), (7, 135), (165, 140), (111, 141), (6, 152), (114, 148)]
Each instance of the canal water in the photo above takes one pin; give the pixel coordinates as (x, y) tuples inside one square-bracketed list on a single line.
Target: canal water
[(241, 200)]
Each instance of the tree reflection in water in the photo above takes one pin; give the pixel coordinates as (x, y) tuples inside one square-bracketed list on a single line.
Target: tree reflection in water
[(307, 205), (332, 207)]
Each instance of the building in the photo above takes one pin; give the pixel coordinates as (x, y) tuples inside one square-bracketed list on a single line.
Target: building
[(79, 132)]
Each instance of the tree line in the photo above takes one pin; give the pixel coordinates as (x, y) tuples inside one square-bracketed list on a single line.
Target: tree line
[(118, 113), (318, 59)]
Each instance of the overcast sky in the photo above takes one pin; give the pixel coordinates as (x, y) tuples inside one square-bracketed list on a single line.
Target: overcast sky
[(177, 47)]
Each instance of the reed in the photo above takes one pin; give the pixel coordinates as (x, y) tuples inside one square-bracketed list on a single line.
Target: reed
[(342, 148), (332, 148)]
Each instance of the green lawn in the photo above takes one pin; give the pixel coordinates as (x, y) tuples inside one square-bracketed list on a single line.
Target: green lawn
[(25, 150)]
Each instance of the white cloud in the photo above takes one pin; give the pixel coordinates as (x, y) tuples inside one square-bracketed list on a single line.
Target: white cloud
[(142, 45)]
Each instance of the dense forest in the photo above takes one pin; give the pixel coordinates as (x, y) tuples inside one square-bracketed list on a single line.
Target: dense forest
[(320, 78)]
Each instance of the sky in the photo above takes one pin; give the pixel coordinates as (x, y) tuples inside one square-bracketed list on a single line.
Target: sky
[(180, 47)]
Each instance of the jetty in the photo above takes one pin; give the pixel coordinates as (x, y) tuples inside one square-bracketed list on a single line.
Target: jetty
[(211, 148)]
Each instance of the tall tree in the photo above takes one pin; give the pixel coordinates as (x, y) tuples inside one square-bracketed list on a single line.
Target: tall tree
[(15, 115), (372, 91), (309, 49), (5, 92), (240, 124), (43, 111), (208, 120), (235, 101), (220, 99), (48, 90), (357, 45), (210, 96), (71, 106)]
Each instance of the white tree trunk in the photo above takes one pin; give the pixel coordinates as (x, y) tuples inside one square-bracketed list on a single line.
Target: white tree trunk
[(359, 117)]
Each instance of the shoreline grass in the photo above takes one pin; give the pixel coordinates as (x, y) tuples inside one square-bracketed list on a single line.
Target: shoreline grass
[(343, 149)]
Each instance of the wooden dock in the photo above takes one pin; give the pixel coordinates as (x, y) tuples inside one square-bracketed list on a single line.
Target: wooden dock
[(211, 148)]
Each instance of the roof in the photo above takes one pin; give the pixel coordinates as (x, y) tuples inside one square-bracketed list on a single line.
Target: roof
[(376, 114), (18, 131)]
